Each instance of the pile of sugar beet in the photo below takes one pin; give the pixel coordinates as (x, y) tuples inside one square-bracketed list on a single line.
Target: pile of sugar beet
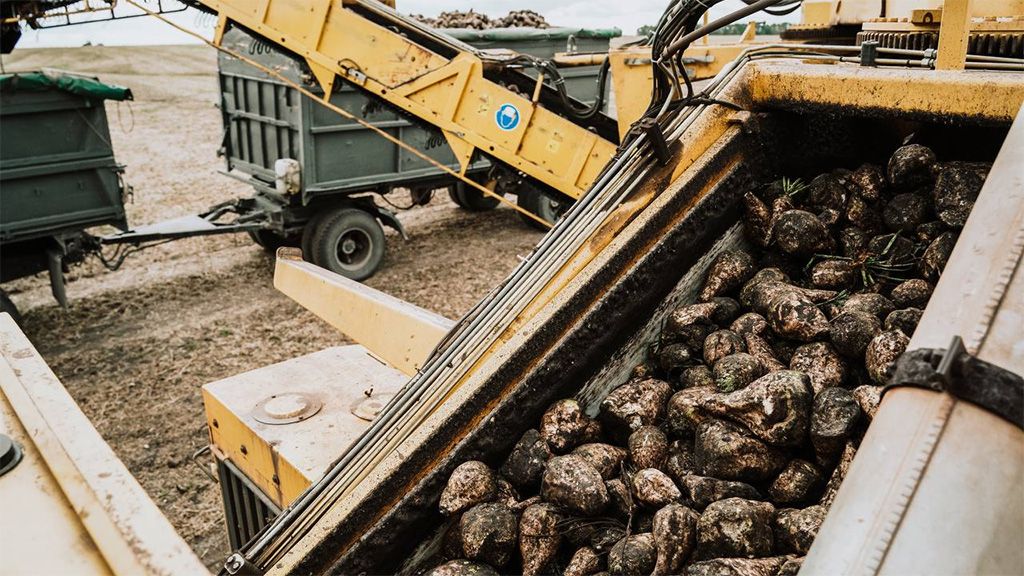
[(723, 452)]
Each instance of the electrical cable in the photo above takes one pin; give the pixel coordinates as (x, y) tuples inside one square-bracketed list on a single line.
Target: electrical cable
[(681, 44)]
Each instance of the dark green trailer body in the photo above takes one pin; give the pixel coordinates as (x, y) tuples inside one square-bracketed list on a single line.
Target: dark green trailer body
[(266, 120), (315, 171), (58, 175)]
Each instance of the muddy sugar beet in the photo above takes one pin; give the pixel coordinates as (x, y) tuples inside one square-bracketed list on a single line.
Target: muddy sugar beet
[(725, 450)]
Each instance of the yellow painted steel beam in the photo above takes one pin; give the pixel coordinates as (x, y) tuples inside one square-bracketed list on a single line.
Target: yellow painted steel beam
[(71, 507), (571, 59), (451, 94), (399, 333), (995, 96), (953, 35)]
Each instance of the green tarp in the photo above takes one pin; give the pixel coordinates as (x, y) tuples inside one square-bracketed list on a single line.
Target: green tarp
[(80, 85), (525, 34)]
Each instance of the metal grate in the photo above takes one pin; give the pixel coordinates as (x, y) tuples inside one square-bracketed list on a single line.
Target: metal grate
[(246, 509)]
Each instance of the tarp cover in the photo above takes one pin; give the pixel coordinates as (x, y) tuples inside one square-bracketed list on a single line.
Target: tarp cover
[(74, 83), (525, 34)]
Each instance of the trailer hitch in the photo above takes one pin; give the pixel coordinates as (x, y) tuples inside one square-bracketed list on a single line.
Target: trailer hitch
[(248, 218)]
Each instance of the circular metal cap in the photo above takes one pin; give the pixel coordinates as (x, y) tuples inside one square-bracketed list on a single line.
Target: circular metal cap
[(10, 454), (368, 408), (286, 408)]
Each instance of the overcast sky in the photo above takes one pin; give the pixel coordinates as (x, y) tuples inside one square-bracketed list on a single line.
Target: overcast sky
[(626, 15)]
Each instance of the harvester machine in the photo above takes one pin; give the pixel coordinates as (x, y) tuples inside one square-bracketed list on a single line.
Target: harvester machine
[(780, 331)]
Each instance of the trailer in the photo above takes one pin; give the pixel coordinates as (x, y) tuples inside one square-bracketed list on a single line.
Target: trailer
[(315, 173), (57, 172)]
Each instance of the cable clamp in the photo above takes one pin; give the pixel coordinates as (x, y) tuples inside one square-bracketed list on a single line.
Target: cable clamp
[(955, 371), (652, 129)]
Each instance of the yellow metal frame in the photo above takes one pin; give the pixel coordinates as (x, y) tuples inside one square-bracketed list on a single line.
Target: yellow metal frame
[(283, 459), (953, 34), (399, 333), (451, 94), (993, 96), (71, 506)]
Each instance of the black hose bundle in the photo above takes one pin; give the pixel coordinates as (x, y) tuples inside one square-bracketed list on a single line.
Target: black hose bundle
[(551, 72), (676, 30)]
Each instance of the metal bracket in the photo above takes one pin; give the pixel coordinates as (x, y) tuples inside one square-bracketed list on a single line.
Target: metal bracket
[(239, 564), (387, 217), (650, 127), (868, 52), (954, 371)]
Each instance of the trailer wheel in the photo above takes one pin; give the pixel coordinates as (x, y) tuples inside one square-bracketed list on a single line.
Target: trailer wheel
[(469, 198), (7, 305), (350, 242), (536, 202), (308, 231), (271, 241)]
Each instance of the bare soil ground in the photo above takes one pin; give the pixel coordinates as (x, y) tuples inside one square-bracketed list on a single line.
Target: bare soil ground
[(135, 346)]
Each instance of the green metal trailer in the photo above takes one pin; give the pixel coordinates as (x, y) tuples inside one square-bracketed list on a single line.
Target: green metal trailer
[(315, 173), (58, 175)]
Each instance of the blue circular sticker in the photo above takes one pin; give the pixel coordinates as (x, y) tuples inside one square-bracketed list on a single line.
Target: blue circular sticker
[(507, 117)]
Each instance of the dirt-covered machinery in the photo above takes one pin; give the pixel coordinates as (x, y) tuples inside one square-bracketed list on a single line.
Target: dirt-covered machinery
[(318, 479)]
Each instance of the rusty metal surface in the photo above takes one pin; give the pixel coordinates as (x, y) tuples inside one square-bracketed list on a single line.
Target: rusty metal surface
[(929, 95)]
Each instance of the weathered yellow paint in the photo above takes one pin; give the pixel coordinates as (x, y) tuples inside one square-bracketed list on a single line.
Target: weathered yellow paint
[(256, 459), (451, 93), (397, 332), (296, 453), (953, 34), (71, 506), (816, 13), (631, 78), (989, 95), (462, 150)]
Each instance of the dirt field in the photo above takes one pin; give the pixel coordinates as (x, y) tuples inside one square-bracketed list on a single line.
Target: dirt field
[(136, 345)]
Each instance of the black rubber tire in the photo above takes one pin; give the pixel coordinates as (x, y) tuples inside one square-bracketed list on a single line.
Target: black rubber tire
[(7, 305), (350, 242), (308, 231), (271, 241), (536, 202), (469, 198)]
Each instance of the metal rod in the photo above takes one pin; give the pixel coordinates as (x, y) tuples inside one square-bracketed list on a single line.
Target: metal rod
[(716, 24)]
